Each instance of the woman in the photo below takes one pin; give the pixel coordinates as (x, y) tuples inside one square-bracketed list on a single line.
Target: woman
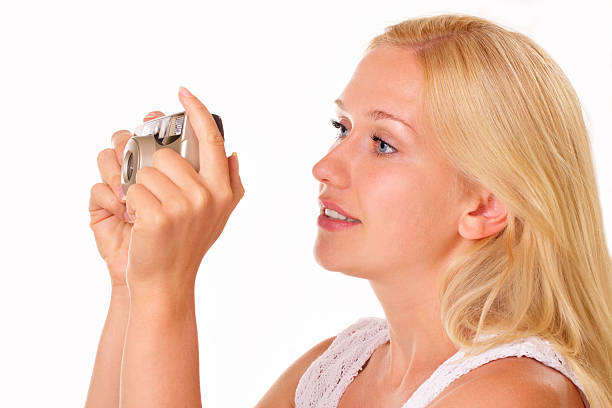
[(463, 164)]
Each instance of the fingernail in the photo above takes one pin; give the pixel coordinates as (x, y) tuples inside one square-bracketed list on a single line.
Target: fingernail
[(120, 192), (236, 156), (130, 218), (183, 91)]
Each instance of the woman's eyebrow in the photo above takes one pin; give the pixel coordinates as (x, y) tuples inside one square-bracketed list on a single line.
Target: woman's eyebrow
[(379, 115)]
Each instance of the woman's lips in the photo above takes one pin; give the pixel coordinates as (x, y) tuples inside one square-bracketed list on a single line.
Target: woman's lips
[(333, 224), (333, 206)]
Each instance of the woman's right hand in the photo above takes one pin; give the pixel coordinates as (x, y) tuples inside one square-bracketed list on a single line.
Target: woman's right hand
[(108, 219)]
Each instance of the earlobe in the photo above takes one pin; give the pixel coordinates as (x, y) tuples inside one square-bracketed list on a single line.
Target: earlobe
[(487, 219)]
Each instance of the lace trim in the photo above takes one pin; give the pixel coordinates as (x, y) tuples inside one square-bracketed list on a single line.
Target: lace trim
[(328, 376), (324, 382), (533, 347)]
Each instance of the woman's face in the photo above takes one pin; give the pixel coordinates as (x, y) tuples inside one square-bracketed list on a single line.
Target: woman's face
[(402, 192)]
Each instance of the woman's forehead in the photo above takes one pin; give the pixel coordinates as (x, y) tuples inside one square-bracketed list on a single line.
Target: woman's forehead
[(389, 80), (393, 65)]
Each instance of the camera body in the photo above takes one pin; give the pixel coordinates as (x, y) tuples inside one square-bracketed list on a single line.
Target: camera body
[(167, 132)]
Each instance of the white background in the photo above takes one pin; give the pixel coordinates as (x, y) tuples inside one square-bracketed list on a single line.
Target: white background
[(75, 72)]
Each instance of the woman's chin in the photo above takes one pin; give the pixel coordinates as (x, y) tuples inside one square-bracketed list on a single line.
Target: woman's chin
[(327, 257), (334, 259)]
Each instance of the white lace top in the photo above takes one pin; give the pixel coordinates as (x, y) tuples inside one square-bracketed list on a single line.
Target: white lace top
[(328, 376)]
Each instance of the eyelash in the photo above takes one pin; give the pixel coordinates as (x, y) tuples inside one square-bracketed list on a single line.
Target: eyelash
[(375, 138)]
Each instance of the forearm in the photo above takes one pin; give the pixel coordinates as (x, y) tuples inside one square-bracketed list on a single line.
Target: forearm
[(160, 360), (105, 379)]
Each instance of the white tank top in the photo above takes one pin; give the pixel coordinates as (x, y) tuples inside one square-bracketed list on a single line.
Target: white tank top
[(328, 376)]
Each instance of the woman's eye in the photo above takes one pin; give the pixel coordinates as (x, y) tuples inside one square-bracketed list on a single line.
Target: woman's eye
[(378, 142), (339, 126)]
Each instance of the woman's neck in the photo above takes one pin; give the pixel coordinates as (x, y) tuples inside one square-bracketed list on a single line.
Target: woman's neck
[(418, 343)]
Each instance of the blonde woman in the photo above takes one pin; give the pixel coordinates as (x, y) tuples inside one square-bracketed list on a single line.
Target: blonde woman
[(464, 168)]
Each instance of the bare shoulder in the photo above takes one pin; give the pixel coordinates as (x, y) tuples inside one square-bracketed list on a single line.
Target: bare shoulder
[(282, 392), (511, 382)]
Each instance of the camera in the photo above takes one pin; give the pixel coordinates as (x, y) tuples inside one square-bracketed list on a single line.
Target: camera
[(171, 131)]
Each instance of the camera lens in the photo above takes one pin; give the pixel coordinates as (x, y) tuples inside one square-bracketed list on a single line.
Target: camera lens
[(130, 166)]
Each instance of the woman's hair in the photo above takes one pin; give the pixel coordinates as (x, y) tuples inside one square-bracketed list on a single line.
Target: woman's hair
[(508, 119)]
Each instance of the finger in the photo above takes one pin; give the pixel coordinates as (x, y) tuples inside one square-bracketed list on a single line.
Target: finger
[(178, 169), (140, 203), (153, 115), (119, 139), (237, 188), (110, 171), (235, 181), (211, 145), (165, 191), (103, 198)]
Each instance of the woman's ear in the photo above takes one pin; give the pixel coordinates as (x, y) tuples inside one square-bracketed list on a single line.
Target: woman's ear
[(484, 216)]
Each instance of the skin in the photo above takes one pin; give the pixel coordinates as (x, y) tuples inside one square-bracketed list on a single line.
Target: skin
[(414, 218), (154, 360), (112, 228)]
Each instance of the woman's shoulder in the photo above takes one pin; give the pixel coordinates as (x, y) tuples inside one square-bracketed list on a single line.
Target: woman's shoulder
[(511, 382), (282, 392), (329, 374)]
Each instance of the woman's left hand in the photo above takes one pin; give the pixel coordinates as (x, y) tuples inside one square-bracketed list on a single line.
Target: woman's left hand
[(179, 213)]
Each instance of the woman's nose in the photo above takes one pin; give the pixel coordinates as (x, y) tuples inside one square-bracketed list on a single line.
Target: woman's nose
[(334, 167)]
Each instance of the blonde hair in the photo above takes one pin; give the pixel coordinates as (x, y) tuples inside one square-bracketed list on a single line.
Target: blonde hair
[(508, 119)]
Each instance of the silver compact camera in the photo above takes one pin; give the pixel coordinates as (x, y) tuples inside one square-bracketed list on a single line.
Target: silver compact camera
[(171, 131)]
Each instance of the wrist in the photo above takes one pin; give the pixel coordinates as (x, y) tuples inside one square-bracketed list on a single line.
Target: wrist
[(157, 300), (120, 293), (119, 288), (120, 301)]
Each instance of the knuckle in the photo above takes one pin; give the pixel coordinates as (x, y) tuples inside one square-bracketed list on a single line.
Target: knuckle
[(99, 193), (119, 134), (95, 189), (113, 203), (240, 189), (201, 197), (159, 220), (103, 153), (215, 138), (178, 207)]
